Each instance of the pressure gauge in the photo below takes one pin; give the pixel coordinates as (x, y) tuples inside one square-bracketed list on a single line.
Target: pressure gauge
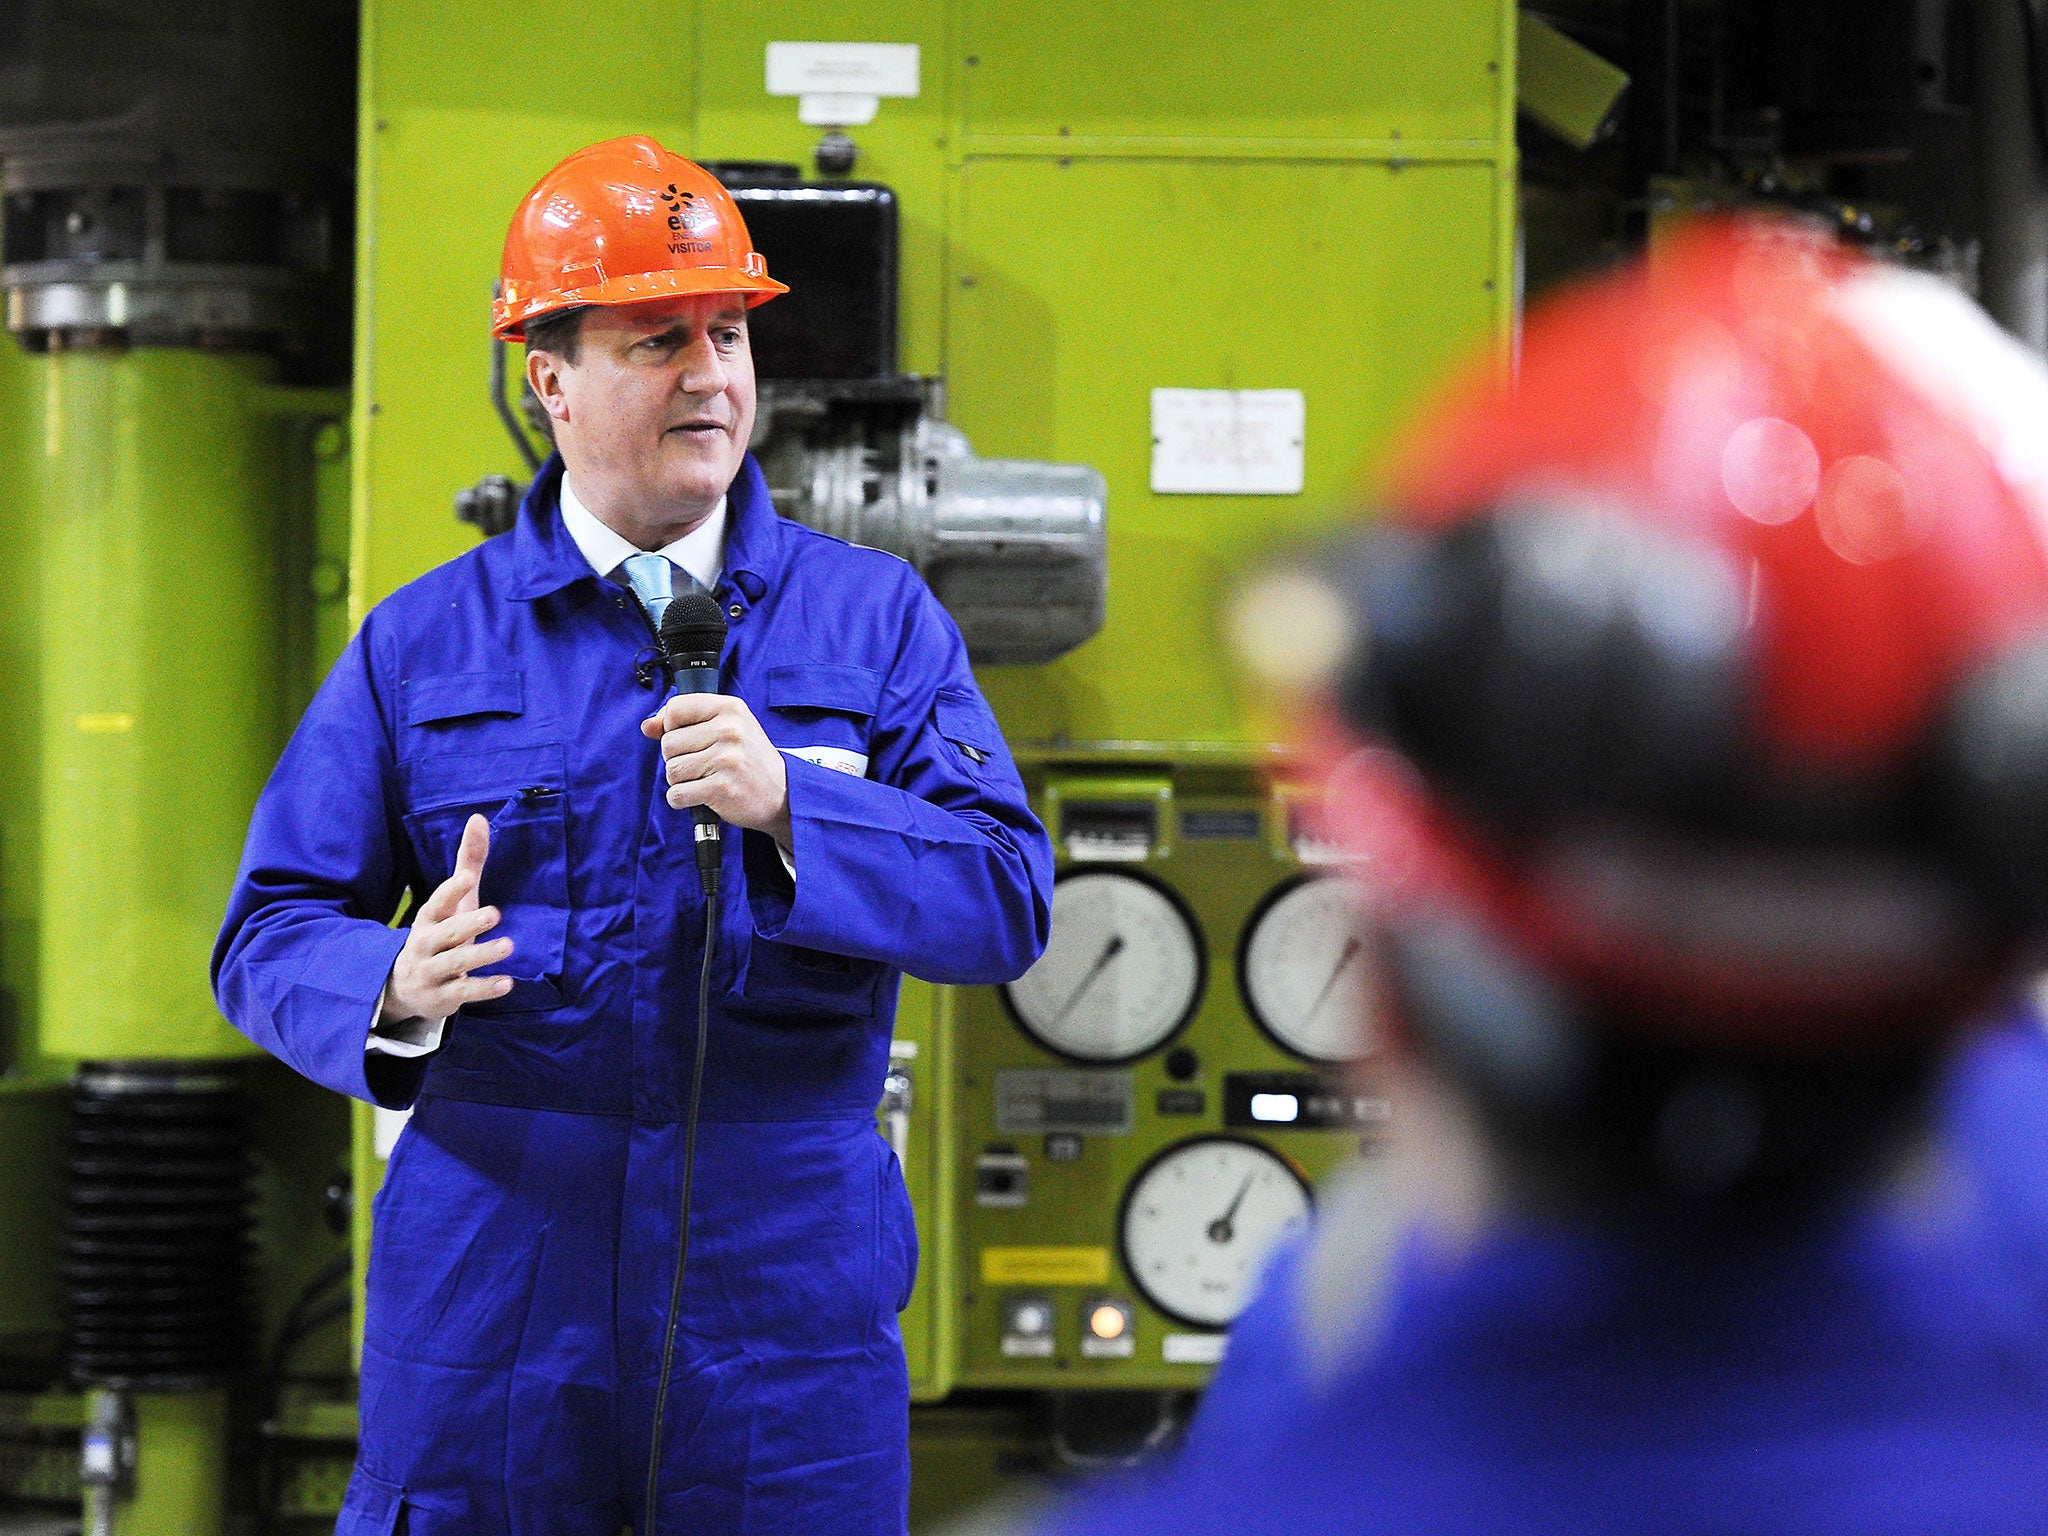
[(1304, 966), (1199, 1220), (1122, 972)]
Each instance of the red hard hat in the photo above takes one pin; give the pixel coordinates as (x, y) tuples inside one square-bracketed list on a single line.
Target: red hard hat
[(619, 223), (1705, 663)]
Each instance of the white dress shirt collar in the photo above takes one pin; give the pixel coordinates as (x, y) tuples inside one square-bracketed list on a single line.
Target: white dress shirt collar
[(701, 551)]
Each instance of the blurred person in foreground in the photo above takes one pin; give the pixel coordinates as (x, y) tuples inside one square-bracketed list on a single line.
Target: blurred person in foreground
[(1692, 748)]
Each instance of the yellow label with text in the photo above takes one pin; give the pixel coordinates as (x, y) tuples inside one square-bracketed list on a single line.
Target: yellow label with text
[(108, 724), (1045, 1266)]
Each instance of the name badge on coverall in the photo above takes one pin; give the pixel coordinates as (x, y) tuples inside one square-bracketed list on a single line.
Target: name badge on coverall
[(838, 759)]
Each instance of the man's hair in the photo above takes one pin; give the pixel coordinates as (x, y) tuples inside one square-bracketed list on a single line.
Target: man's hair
[(559, 333)]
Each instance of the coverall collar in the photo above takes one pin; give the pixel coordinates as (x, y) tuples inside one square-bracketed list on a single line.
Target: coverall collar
[(545, 558)]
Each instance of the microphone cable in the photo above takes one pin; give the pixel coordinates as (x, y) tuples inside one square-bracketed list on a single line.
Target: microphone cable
[(691, 634), (675, 1293)]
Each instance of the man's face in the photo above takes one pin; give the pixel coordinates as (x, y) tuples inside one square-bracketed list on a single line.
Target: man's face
[(654, 415)]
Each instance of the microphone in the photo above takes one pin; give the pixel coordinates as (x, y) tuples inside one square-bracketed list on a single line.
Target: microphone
[(692, 636)]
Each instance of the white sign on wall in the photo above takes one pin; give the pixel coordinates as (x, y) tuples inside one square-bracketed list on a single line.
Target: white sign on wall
[(841, 85), (1227, 442)]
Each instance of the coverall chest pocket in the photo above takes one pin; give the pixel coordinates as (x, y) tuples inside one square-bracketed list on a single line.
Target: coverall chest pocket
[(824, 712), (524, 793)]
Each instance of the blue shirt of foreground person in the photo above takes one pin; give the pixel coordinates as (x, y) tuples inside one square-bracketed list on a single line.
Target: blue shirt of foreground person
[(491, 744), (1411, 1368)]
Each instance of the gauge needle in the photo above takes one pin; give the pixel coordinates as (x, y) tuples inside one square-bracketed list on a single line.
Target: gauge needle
[(1350, 954), (1220, 1230), (1110, 951)]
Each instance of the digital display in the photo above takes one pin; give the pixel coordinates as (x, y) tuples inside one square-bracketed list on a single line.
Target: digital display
[(1276, 1108), (1300, 1101)]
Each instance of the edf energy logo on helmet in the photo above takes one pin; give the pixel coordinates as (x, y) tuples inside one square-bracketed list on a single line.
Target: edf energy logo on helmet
[(688, 218)]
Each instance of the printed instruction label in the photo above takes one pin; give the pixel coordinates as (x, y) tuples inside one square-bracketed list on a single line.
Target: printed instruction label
[(841, 85), (1035, 1101), (1045, 1266), (858, 69), (1228, 442)]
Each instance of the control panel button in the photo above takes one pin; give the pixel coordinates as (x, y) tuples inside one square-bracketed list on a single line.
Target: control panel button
[(1002, 1178), (1029, 1322)]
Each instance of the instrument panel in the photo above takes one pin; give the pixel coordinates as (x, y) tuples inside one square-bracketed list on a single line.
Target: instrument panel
[(1142, 1116)]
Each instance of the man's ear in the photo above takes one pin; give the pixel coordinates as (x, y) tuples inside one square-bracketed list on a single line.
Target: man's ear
[(544, 378)]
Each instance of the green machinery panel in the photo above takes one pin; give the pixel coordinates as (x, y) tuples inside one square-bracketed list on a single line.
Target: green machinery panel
[(1083, 284), (1048, 1144), (1316, 75), (1096, 203)]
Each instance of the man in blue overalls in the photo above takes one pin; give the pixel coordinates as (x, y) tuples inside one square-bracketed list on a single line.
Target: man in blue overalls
[(1693, 754), (494, 744)]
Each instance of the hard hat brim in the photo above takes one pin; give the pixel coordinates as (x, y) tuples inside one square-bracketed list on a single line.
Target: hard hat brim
[(510, 313)]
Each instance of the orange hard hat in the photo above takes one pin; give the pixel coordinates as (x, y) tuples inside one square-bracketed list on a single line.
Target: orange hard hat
[(620, 223)]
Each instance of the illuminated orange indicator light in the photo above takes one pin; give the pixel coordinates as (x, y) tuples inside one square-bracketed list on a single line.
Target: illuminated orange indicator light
[(1108, 1322)]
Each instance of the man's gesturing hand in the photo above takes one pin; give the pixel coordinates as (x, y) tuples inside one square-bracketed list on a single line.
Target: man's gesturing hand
[(716, 754), (431, 979)]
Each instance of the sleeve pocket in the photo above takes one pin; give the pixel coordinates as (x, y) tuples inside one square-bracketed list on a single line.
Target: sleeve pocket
[(968, 727)]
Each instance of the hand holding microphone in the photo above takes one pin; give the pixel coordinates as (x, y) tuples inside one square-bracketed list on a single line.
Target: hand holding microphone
[(718, 761)]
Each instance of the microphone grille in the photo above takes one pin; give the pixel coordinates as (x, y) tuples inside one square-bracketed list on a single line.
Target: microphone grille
[(693, 625)]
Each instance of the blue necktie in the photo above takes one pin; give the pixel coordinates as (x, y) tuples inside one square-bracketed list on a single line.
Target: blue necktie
[(653, 580)]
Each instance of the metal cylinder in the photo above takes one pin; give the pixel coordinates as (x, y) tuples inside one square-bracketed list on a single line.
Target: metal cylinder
[(111, 234), (1014, 549), (159, 484), (1018, 555)]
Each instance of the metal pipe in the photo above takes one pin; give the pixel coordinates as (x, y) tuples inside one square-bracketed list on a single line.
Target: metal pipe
[(2011, 168), (503, 407)]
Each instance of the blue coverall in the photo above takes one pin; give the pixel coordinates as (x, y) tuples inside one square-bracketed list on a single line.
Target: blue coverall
[(526, 1229), (1885, 1373)]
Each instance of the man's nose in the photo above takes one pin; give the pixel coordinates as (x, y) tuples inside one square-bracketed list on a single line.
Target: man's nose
[(703, 369)]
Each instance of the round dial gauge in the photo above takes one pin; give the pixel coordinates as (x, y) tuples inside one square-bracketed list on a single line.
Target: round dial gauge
[(1199, 1220), (1304, 968), (1122, 972)]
